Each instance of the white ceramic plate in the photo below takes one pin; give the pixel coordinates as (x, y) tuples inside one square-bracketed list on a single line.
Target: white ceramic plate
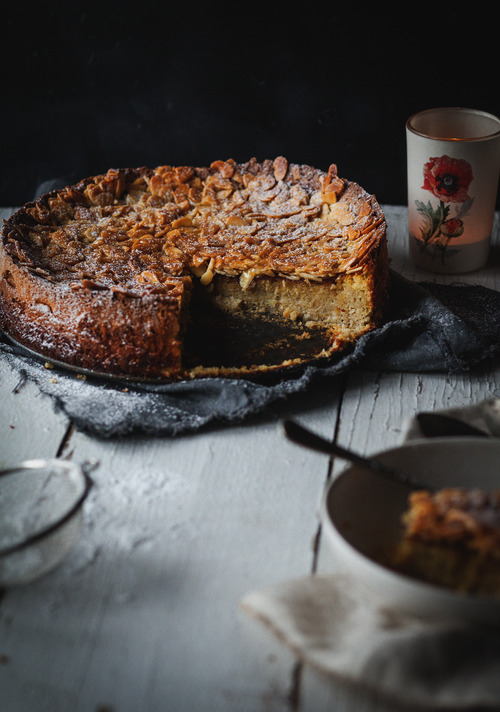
[(361, 514)]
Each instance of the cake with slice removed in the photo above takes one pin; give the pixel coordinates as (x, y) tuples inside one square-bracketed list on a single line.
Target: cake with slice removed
[(140, 272)]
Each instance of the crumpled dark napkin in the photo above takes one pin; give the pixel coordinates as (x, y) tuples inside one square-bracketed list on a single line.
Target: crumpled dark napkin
[(427, 327)]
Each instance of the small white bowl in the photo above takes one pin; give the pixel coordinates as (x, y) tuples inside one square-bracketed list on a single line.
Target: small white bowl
[(40, 516), (361, 514)]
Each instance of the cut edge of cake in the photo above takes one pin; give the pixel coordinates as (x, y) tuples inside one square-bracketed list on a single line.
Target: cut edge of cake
[(119, 330)]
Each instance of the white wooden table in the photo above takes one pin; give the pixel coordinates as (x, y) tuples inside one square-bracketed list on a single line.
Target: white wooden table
[(143, 616)]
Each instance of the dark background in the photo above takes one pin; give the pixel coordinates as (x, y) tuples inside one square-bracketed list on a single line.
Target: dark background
[(86, 87)]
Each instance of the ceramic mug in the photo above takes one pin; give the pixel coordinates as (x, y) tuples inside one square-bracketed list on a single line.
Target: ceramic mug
[(453, 161)]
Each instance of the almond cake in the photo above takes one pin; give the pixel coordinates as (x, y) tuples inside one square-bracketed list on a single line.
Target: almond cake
[(452, 538), (157, 273)]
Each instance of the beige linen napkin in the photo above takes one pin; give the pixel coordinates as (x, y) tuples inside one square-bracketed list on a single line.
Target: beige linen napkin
[(332, 625)]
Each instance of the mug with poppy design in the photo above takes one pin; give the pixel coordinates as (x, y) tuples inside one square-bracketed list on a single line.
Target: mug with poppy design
[(453, 161)]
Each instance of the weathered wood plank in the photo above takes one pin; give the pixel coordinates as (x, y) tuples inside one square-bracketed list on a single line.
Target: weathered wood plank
[(144, 612), (29, 427), (177, 530)]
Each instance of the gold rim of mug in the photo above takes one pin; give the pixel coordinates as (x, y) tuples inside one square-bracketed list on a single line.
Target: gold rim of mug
[(460, 109)]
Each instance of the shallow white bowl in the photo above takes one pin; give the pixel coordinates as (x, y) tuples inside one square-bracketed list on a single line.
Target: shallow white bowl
[(40, 516), (361, 515)]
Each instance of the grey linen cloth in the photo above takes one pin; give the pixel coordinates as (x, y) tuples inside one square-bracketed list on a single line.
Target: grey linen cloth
[(332, 625), (427, 327)]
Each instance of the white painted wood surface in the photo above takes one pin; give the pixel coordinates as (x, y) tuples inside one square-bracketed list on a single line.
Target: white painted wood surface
[(143, 615)]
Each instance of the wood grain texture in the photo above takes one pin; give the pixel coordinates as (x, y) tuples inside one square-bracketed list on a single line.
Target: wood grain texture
[(144, 613)]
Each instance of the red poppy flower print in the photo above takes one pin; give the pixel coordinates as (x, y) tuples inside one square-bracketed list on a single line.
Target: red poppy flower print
[(452, 228), (448, 178)]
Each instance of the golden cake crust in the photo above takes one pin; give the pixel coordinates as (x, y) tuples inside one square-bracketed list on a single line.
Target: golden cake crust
[(99, 275), (452, 516), (452, 538)]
